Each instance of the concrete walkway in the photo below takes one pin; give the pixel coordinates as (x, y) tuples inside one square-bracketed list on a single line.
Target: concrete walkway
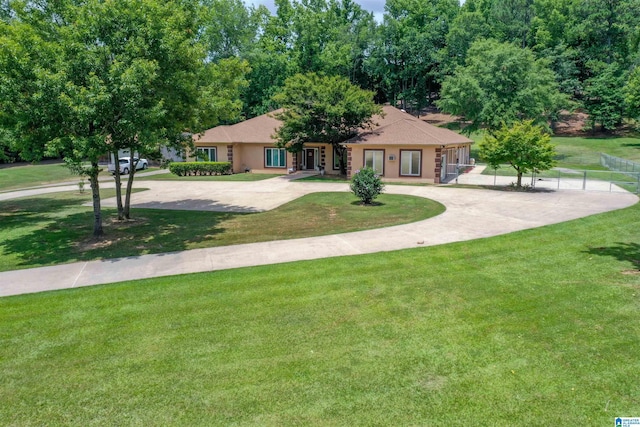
[(470, 214)]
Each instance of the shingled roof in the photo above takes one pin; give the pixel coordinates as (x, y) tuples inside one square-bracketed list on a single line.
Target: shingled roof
[(396, 127), (258, 130)]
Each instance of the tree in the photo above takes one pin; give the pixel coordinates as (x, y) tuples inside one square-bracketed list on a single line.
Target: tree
[(323, 109), (228, 27), (466, 28), (270, 59), (405, 56), (524, 146), (604, 97), (501, 83), (632, 95), (98, 76)]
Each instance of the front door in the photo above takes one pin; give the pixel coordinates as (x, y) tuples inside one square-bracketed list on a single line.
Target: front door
[(311, 159)]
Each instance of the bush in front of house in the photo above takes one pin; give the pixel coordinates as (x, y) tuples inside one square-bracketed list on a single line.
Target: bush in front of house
[(366, 185), (200, 168)]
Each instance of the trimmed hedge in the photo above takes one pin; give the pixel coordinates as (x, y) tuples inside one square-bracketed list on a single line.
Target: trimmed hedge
[(200, 168)]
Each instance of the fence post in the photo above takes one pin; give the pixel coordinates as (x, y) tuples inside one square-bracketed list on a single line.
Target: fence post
[(584, 181)]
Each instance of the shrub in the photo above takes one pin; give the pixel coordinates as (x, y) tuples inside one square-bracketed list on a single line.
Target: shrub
[(366, 185), (200, 168)]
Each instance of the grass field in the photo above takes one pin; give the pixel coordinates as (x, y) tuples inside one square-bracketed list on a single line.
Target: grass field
[(533, 328), (14, 177), (584, 152), (23, 176), (56, 228)]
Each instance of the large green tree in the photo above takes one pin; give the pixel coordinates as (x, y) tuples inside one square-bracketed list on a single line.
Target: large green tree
[(501, 83), (329, 37), (632, 95), (406, 52), (323, 109), (108, 75), (523, 145), (604, 97)]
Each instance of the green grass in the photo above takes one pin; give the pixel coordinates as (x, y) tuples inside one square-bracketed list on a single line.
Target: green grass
[(325, 178), (533, 328), (34, 175), (14, 177), (235, 177), (584, 152), (56, 228)]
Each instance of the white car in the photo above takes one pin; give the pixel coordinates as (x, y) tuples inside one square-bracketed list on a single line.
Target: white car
[(125, 165)]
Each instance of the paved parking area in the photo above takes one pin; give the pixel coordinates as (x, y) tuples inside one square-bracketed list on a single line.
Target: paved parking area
[(470, 214)]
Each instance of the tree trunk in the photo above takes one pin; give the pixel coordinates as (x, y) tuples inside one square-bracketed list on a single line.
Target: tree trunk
[(342, 161), (519, 183), (95, 194), (116, 160), (127, 200)]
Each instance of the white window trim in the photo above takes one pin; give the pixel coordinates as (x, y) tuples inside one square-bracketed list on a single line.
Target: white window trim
[(282, 155), (208, 150)]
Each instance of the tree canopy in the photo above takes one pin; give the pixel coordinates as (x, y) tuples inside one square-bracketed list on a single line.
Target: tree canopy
[(322, 109), (501, 83), (95, 77), (522, 145)]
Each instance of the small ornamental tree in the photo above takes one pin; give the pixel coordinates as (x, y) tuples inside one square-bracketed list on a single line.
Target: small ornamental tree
[(524, 146), (366, 185)]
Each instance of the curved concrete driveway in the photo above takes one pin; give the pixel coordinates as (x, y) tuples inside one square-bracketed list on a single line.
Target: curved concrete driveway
[(470, 214)]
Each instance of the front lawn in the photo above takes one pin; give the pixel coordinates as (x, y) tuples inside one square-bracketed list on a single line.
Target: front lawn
[(535, 328), (14, 177), (19, 176), (56, 228)]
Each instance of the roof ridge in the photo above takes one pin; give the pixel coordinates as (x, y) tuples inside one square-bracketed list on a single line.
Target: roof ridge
[(425, 130), (390, 124)]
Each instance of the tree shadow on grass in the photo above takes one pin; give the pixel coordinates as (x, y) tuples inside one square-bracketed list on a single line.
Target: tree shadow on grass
[(626, 252), (370, 205), (630, 144), (45, 235), (14, 213)]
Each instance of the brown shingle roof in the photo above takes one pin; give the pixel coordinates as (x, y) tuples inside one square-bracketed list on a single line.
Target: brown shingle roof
[(258, 129), (396, 127)]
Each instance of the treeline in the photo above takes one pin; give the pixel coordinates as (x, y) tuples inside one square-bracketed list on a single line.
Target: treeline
[(590, 47)]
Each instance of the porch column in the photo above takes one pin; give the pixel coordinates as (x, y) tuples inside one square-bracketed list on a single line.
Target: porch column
[(436, 178), (348, 162), (322, 157), (230, 154)]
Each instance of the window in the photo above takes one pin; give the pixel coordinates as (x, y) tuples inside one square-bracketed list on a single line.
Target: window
[(275, 157), (336, 159), (374, 159), (206, 154), (410, 162)]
